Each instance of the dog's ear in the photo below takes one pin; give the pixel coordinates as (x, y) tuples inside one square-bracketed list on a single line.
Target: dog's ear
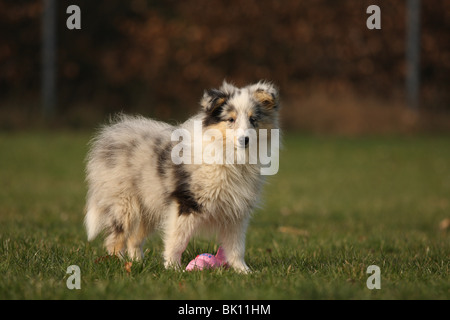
[(212, 99), (266, 94)]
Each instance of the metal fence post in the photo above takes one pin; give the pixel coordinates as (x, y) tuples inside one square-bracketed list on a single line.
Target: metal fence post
[(413, 54), (48, 68)]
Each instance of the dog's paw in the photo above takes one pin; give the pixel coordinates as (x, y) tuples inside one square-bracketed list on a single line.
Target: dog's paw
[(172, 265), (242, 268)]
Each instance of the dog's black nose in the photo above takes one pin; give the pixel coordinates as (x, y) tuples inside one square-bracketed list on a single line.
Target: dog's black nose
[(243, 141)]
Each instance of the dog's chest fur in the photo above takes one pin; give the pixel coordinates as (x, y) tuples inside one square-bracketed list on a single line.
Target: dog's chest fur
[(226, 191)]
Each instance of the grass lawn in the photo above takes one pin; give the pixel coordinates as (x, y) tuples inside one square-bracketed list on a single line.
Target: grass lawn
[(337, 206)]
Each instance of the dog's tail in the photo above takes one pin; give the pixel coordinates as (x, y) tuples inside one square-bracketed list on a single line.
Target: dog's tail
[(93, 222)]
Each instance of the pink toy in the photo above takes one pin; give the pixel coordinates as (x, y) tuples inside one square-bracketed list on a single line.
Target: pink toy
[(208, 261)]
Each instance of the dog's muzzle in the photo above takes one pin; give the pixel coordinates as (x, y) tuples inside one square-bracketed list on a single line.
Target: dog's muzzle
[(243, 141)]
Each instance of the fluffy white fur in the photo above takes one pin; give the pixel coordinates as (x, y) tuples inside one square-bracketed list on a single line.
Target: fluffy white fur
[(135, 188)]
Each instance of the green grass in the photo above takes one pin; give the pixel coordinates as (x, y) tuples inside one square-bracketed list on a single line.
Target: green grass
[(337, 206)]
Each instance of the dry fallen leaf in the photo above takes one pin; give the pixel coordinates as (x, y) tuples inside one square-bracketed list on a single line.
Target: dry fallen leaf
[(128, 266), (181, 286), (294, 231), (444, 225), (105, 258)]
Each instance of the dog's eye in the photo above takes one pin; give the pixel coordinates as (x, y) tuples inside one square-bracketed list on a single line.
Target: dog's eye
[(252, 120), (230, 120)]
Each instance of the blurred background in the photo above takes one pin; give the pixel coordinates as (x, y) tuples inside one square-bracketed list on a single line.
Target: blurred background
[(364, 176), (155, 58)]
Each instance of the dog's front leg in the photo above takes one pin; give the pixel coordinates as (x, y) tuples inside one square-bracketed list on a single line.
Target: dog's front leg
[(232, 238), (178, 231)]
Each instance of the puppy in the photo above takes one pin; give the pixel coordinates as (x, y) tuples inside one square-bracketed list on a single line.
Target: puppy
[(203, 175)]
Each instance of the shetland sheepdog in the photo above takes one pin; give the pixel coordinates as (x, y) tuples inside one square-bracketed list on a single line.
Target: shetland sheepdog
[(205, 174)]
